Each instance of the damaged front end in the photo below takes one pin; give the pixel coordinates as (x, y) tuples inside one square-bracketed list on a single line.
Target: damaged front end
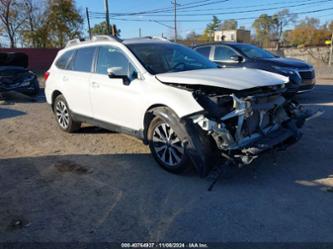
[(243, 124)]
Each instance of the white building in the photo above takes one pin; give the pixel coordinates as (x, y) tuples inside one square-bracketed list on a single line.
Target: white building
[(236, 35)]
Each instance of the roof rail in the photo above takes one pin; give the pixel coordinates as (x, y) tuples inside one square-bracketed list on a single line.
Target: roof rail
[(105, 38), (148, 37), (73, 42), (161, 38)]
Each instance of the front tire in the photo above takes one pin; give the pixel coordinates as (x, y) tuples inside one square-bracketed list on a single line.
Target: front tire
[(166, 146), (64, 116)]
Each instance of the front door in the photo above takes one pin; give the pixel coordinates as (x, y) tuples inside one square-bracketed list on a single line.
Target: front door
[(225, 56), (113, 101)]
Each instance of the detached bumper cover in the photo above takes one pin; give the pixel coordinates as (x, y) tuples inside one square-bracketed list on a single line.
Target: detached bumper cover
[(279, 138)]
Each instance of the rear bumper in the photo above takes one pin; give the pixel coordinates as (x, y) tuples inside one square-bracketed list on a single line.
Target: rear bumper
[(24, 87)]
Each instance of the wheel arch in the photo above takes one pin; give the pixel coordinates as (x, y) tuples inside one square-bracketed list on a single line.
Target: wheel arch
[(150, 114), (55, 94), (199, 146)]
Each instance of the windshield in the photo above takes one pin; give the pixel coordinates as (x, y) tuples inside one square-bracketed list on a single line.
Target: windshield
[(254, 52), (168, 57)]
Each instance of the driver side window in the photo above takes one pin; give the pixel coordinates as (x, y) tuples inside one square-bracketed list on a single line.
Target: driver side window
[(223, 53), (110, 57)]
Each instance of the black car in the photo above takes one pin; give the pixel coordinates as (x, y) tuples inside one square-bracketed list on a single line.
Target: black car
[(14, 75), (232, 54)]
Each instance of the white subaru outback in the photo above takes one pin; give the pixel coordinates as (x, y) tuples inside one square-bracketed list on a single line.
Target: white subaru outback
[(189, 111)]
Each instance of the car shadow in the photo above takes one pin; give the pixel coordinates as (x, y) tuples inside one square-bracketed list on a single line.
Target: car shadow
[(89, 197), (10, 113), (321, 94), (93, 130)]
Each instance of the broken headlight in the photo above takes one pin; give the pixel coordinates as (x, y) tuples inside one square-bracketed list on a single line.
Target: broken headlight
[(216, 106)]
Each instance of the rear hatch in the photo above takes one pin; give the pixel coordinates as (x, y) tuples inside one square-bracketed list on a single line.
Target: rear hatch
[(14, 60)]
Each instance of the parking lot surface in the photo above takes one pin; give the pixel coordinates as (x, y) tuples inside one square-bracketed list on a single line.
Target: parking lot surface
[(96, 185)]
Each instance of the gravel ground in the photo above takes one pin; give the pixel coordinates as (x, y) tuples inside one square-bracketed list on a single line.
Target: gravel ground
[(96, 185)]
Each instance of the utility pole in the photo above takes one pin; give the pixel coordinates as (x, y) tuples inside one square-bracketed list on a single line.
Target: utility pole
[(88, 19), (140, 32), (175, 17), (331, 52), (107, 16)]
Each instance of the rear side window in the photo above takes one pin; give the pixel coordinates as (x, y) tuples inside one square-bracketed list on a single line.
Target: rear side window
[(83, 59), (205, 51), (62, 62)]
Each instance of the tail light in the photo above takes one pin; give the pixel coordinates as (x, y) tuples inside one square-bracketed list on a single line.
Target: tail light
[(46, 75)]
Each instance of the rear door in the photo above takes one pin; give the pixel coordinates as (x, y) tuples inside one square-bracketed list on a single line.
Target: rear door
[(76, 81)]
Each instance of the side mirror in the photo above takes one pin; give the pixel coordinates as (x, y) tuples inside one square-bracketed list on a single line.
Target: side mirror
[(115, 73), (237, 58)]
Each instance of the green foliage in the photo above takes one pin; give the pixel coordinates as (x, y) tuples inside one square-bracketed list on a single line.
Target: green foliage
[(265, 27), (64, 22), (211, 28), (46, 23), (101, 29), (309, 33)]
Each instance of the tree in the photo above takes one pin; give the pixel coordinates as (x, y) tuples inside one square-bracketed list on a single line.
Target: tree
[(192, 38), (308, 33), (265, 26), (229, 24), (330, 26), (309, 22), (283, 19), (211, 28), (12, 19), (64, 22), (101, 29), (36, 15)]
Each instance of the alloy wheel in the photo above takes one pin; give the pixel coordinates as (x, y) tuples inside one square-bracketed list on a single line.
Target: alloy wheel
[(167, 145), (62, 114)]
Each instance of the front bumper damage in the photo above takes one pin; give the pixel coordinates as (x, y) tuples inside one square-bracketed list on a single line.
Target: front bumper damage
[(243, 127)]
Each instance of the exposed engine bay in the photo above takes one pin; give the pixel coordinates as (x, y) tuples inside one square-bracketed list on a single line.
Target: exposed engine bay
[(245, 123)]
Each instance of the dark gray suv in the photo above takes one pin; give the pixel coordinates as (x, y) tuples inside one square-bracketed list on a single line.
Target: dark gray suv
[(232, 54)]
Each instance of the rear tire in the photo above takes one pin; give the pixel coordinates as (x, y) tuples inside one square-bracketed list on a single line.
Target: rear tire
[(166, 147), (63, 115)]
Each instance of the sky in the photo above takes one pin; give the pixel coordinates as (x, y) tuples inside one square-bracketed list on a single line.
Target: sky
[(196, 14)]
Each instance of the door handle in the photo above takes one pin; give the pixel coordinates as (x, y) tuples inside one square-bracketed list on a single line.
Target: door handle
[(64, 78), (94, 84)]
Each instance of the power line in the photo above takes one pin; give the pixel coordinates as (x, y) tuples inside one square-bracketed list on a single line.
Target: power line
[(244, 11), (179, 10), (246, 6), (206, 20), (169, 9)]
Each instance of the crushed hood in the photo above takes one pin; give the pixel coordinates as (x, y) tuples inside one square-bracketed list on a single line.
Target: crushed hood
[(229, 78)]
